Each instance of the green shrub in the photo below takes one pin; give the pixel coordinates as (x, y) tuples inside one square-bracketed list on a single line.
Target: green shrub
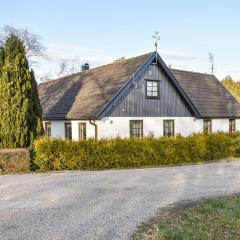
[(129, 153), (236, 144), (14, 160)]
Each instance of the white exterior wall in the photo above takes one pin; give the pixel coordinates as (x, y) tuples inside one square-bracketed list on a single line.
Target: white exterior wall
[(57, 129), (220, 125), (90, 130), (119, 126), (111, 127), (237, 124)]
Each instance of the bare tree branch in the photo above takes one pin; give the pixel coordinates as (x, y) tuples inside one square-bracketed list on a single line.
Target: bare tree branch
[(45, 78), (32, 41), (67, 67), (62, 69)]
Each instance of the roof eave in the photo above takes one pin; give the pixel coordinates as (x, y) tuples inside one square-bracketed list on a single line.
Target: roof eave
[(219, 117), (83, 118)]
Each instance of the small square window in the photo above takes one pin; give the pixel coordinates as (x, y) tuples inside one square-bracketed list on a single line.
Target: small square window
[(232, 125), (136, 128), (207, 126), (168, 128), (152, 89)]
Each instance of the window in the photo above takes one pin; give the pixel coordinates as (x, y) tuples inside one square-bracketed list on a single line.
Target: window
[(168, 128), (207, 126), (152, 89), (48, 129), (136, 128), (82, 131), (68, 130), (232, 125)]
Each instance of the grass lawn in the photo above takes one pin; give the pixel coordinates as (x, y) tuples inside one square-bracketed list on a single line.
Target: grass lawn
[(215, 219)]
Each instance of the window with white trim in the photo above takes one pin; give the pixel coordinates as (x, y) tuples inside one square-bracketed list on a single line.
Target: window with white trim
[(136, 128), (82, 131), (207, 126), (48, 129), (152, 89), (232, 125), (68, 130), (168, 128)]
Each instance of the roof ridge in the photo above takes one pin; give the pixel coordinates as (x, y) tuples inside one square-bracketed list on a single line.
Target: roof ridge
[(102, 66), (181, 70), (117, 62)]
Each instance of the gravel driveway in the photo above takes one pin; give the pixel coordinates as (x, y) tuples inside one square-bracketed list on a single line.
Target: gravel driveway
[(104, 204)]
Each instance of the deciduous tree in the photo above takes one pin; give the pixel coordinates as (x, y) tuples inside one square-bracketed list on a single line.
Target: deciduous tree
[(232, 86)]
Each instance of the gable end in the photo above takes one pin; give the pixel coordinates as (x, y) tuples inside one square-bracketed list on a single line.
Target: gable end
[(115, 106)]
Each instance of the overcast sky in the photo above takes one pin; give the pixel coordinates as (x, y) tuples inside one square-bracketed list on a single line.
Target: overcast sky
[(101, 31)]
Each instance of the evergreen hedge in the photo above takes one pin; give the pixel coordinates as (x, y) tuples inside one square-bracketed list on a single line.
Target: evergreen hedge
[(129, 153)]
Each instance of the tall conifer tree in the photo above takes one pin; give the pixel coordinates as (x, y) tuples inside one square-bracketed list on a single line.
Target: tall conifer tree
[(1, 58), (37, 129), (1, 66), (20, 123)]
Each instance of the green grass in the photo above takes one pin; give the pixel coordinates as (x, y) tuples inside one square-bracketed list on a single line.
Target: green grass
[(214, 219)]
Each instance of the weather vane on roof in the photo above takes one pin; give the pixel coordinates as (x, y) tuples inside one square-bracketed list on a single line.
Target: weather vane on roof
[(157, 39)]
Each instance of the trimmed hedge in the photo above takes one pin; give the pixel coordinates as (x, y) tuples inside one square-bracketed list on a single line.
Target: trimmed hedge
[(236, 138), (129, 153), (14, 160)]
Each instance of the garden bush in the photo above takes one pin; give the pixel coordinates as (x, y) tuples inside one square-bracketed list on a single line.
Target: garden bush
[(59, 154), (236, 142), (14, 160)]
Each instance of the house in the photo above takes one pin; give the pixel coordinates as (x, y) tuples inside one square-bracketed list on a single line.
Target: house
[(136, 97)]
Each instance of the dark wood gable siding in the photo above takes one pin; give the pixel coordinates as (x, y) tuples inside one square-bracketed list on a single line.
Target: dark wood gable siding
[(135, 104)]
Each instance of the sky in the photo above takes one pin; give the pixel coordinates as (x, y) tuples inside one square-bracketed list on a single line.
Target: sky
[(99, 32)]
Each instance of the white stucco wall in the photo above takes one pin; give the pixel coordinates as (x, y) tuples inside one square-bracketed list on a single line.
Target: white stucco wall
[(220, 125), (57, 129), (119, 126), (238, 124), (90, 130), (115, 126)]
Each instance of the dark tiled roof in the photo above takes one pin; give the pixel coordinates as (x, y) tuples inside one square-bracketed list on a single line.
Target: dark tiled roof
[(84, 94), (207, 94)]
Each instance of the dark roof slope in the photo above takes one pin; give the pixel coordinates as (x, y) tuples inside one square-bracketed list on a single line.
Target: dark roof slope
[(84, 94), (207, 94)]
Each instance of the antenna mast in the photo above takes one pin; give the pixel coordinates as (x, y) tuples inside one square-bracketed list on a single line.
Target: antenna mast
[(157, 39), (211, 60)]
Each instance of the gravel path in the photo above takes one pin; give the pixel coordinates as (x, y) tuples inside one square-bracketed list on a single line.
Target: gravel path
[(104, 204)]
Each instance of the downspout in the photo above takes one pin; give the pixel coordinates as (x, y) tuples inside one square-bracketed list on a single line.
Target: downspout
[(92, 122)]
